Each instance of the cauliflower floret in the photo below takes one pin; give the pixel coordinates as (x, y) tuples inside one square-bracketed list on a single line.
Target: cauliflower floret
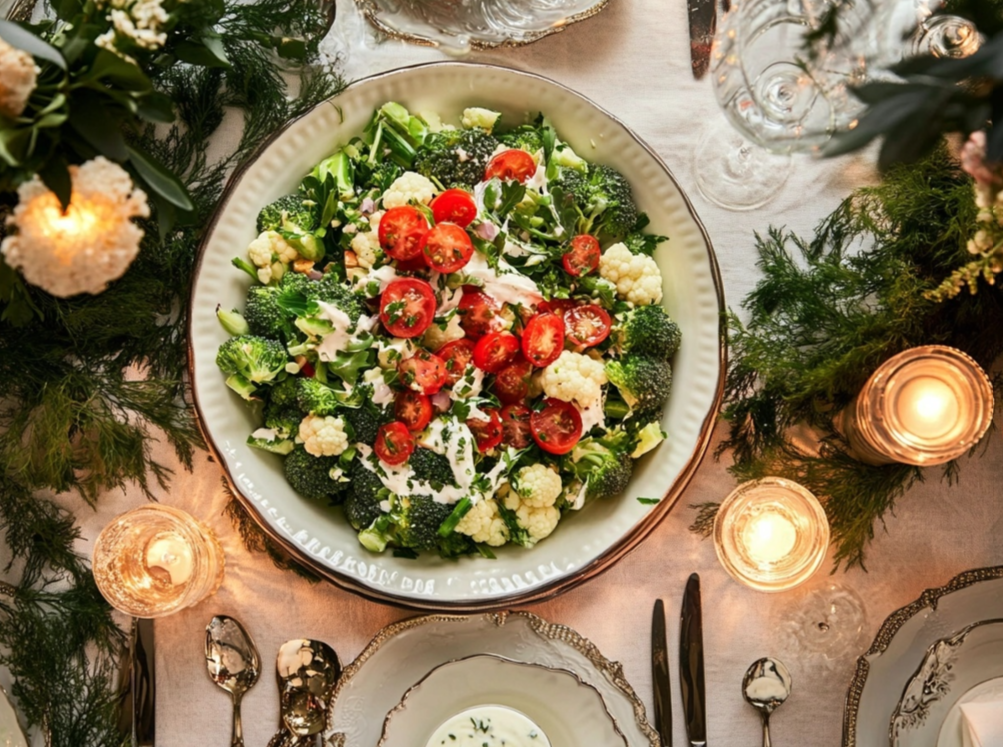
[(636, 276), (366, 246), (407, 187), (323, 436), (435, 336), (477, 116), (270, 253), (538, 485), (483, 523), (538, 521), (574, 377)]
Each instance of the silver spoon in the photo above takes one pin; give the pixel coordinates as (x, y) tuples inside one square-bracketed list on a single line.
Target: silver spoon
[(765, 687), (233, 664), (307, 672)]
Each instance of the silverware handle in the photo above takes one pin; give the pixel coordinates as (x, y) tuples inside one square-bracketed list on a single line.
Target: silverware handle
[(237, 733), (766, 730)]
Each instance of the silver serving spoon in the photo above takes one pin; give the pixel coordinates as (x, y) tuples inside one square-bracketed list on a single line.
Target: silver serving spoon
[(307, 672), (233, 664), (765, 687)]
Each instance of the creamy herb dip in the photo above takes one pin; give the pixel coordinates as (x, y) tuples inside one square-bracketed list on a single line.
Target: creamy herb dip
[(489, 726)]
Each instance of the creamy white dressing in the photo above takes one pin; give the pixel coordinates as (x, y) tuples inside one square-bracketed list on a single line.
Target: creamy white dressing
[(592, 413), (382, 393), (336, 341), (490, 725), (539, 179), (450, 300), (506, 286), (265, 434), (579, 499), (390, 352), (382, 275), (469, 385)]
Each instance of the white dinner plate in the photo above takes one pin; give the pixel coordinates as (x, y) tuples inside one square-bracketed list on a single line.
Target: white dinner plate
[(569, 711), (903, 643), (951, 668), (585, 543), (403, 654)]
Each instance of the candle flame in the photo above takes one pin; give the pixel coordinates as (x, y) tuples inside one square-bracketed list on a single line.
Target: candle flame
[(71, 231)]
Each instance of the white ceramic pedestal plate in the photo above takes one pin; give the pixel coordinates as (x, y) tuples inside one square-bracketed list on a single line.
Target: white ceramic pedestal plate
[(586, 543)]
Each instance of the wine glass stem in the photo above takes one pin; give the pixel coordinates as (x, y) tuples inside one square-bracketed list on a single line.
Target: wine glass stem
[(766, 730)]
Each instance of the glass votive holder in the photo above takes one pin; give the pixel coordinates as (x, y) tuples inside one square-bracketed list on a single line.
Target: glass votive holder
[(155, 560), (771, 534), (924, 406)]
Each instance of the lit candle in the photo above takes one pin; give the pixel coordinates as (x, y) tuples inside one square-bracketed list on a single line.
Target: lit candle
[(155, 560), (771, 534), (925, 406)]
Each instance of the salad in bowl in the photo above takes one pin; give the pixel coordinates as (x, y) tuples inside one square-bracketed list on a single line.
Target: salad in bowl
[(454, 335)]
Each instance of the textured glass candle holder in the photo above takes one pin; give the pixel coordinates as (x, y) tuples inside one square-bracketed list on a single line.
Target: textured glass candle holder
[(924, 406), (155, 560), (771, 534)]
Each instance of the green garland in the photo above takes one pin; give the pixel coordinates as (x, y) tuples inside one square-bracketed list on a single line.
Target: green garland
[(89, 384), (828, 312)]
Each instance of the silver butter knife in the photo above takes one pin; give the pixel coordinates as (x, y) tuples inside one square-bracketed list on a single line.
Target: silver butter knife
[(691, 675)]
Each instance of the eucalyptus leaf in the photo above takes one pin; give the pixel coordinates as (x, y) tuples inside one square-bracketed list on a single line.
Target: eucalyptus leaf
[(160, 179), (156, 107), (15, 144), (879, 119), (95, 124), (110, 68), (24, 40), (55, 174), (56, 119)]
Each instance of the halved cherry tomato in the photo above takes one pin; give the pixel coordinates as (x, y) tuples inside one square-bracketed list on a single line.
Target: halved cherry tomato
[(413, 409), (586, 325), (401, 232), (515, 426), (493, 352), (411, 266), (447, 247), (583, 257), (487, 433), (454, 206), (511, 164), (308, 370), (407, 307), (556, 305), (512, 382), (477, 312), (394, 443), (423, 372), (557, 427), (543, 339), (457, 355)]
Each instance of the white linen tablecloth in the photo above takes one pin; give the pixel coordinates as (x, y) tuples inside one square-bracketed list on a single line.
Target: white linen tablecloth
[(632, 59)]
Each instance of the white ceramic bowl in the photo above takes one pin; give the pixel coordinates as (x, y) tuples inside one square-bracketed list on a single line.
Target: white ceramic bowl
[(586, 543), (570, 712)]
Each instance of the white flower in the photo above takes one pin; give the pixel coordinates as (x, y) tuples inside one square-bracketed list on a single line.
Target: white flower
[(140, 23), (409, 186), (323, 436), (574, 377), (636, 276), (18, 74), (88, 246)]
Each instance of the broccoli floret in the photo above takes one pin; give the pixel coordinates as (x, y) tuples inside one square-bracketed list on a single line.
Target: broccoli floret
[(604, 198), (431, 467), (603, 464), (296, 282), (524, 137), (644, 383), (456, 158), (263, 313), (648, 331), (455, 544), (250, 360), (312, 396), (366, 421), (330, 289), (366, 491), (311, 476), (288, 211), (418, 526), (283, 418)]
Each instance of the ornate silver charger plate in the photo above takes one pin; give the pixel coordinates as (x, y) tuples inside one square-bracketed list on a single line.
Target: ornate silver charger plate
[(475, 24), (918, 647), (586, 543), (403, 654)]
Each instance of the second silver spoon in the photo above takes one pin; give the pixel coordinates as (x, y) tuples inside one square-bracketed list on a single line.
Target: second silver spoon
[(765, 687)]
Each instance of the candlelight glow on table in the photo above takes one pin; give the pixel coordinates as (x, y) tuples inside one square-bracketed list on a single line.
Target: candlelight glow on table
[(771, 534), (925, 406), (155, 560)]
